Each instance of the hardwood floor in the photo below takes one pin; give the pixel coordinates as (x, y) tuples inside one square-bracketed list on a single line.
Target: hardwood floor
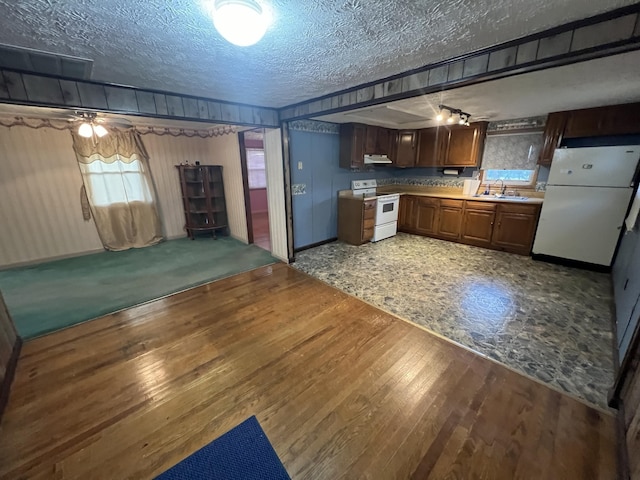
[(342, 389), (261, 237)]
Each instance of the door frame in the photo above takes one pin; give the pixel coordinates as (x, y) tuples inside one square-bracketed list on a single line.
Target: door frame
[(245, 186)]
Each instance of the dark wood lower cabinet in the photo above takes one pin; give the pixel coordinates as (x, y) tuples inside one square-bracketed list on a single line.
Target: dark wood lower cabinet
[(497, 225), (477, 228), (406, 214), (515, 226), (427, 215), (450, 219), (356, 220)]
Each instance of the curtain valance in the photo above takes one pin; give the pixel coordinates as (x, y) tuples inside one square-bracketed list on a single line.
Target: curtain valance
[(117, 145)]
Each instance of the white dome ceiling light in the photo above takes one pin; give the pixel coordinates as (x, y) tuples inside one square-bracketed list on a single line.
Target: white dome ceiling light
[(241, 22)]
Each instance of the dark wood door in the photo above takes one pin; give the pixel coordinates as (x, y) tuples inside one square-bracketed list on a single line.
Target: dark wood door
[(383, 141), (432, 146), (371, 140), (450, 221), (427, 215), (514, 228), (406, 148), (621, 120), (407, 214), (585, 123), (465, 145), (553, 134), (352, 145), (477, 225)]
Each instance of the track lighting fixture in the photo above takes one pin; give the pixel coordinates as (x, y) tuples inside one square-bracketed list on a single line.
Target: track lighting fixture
[(463, 117)]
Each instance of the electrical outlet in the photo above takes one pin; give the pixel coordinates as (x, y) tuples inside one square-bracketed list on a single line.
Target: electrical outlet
[(299, 165)]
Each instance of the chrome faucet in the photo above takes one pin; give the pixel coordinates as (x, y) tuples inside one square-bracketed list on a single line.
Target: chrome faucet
[(503, 188)]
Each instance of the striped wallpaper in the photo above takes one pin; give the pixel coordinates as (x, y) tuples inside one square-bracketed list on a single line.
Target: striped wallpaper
[(166, 151), (40, 214)]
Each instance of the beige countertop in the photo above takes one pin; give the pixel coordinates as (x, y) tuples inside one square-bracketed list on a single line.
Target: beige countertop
[(456, 194)]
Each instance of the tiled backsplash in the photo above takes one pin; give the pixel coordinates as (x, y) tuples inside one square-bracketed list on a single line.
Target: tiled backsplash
[(438, 182), (423, 181)]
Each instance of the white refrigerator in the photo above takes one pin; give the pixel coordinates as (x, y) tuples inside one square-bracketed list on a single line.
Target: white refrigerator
[(587, 197)]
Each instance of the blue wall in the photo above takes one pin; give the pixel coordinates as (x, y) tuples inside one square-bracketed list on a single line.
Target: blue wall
[(315, 213)]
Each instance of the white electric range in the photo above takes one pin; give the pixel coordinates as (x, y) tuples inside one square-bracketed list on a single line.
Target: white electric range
[(386, 218)]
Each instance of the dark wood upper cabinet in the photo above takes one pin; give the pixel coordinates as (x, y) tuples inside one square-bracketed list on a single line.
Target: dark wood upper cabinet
[(452, 146), (432, 147), (406, 148), (377, 140), (584, 123), (352, 145), (553, 133), (466, 145), (588, 122), (622, 120)]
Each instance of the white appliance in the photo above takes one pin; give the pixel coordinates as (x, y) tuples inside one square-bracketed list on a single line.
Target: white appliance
[(587, 197), (386, 218), (376, 159)]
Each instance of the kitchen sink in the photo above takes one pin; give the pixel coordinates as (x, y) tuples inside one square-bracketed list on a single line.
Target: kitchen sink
[(504, 197)]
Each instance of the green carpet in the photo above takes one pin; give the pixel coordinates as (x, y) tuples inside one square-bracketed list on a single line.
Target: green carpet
[(53, 295)]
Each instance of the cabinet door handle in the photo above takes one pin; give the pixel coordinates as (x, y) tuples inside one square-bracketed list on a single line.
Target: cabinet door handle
[(491, 223)]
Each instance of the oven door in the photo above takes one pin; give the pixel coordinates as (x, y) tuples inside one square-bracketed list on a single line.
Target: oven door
[(387, 209)]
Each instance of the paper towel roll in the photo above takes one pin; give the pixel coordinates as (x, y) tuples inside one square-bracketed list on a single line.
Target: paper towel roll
[(470, 187)]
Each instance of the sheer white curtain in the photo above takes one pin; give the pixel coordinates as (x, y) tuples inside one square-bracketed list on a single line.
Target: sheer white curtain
[(120, 189)]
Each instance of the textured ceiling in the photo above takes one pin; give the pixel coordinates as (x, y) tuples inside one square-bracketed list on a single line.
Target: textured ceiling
[(580, 85), (312, 48)]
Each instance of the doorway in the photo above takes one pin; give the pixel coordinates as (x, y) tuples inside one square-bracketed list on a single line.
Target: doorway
[(255, 180)]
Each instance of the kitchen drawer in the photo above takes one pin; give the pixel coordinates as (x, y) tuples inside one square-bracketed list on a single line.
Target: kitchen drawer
[(471, 205), (369, 214), (368, 223), (367, 233), (447, 202), (518, 208), (369, 205)]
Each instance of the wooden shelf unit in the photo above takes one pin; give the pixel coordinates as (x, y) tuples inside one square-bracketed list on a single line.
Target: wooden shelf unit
[(203, 200)]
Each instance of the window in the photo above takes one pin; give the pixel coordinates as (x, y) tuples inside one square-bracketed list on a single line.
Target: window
[(513, 177), (256, 168), (117, 182)]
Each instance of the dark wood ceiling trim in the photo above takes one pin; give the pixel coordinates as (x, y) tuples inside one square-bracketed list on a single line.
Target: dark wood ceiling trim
[(32, 89), (607, 34)]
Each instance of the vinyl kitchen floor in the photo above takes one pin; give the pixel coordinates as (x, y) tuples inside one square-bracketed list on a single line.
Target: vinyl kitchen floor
[(548, 321)]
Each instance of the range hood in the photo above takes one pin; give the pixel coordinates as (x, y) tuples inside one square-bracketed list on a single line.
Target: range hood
[(376, 159)]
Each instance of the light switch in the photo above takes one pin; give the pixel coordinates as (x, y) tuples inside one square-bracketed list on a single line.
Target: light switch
[(299, 165)]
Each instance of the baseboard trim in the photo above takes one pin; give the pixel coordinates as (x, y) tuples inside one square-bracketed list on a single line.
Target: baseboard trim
[(28, 263), (313, 245), (9, 375), (571, 263)]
